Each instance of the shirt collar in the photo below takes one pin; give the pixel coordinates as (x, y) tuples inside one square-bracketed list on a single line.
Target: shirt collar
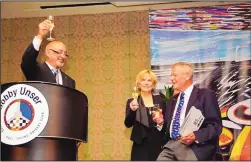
[(52, 68), (189, 90)]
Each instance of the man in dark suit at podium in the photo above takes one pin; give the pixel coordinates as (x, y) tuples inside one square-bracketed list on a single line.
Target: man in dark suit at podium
[(200, 144), (55, 57)]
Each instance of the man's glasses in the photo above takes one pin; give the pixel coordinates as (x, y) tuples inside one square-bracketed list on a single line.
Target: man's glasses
[(60, 53)]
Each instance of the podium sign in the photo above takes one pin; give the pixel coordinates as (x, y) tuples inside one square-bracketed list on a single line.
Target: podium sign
[(42, 121), (24, 114)]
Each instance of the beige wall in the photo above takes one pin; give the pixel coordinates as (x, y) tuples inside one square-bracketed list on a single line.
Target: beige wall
[(106, 51)]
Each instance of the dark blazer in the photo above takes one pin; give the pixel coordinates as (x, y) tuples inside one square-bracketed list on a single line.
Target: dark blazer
[(147, 140), (35, 71), (130, 121), (207, 136)]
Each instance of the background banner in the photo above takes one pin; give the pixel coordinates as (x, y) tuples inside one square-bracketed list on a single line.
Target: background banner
[(216, 40)]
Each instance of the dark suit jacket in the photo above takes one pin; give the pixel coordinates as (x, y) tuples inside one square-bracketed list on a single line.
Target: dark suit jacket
[(35, 71), (130, 121), (147, 140), (207, 136)]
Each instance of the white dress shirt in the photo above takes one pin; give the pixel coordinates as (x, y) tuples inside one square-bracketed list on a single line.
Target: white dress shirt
[(59, 73), (36, 43)]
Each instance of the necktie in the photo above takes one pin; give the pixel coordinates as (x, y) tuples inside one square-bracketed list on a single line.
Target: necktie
[(176, 121), (55, 72)]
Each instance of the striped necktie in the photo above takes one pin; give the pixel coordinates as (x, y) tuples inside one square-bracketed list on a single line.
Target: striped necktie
[(55, 72), (176, 121)]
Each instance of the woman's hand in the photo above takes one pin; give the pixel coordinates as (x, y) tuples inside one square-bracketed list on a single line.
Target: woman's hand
[(134, 105)]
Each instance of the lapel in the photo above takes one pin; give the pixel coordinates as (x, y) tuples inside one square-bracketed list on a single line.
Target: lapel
[(142, 114), (64, 78), (51, 78), (154, 99), (48, 73), (192, 99)]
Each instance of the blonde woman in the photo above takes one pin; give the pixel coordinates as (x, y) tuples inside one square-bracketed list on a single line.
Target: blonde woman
[(147, 137)]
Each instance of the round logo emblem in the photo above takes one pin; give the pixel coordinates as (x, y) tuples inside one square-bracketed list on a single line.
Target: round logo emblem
[(24, 114), (241, 112)]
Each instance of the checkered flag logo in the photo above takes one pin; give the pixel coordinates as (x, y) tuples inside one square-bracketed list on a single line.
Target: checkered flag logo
[(17, 123), (19, 116)]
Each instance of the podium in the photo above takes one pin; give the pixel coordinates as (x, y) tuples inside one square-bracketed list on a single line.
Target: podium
[(66, 126)]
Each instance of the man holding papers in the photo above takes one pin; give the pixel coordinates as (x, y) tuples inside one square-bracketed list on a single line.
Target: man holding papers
[(192, 120)]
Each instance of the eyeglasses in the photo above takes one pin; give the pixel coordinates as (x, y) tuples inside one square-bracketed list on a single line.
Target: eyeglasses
[(60, 53)]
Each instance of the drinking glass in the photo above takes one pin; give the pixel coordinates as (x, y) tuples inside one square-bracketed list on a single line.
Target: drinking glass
[(135, 93), (51, 18)]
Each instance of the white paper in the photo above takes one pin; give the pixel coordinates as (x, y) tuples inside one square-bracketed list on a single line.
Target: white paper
[(192, 122)]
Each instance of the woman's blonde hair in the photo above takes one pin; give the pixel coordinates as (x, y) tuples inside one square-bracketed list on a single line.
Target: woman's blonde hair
[(141, 74)]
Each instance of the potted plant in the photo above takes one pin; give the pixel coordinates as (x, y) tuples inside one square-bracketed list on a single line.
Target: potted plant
[(168, 93)]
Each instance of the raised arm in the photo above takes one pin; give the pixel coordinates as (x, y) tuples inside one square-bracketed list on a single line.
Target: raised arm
[(29, 63)]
